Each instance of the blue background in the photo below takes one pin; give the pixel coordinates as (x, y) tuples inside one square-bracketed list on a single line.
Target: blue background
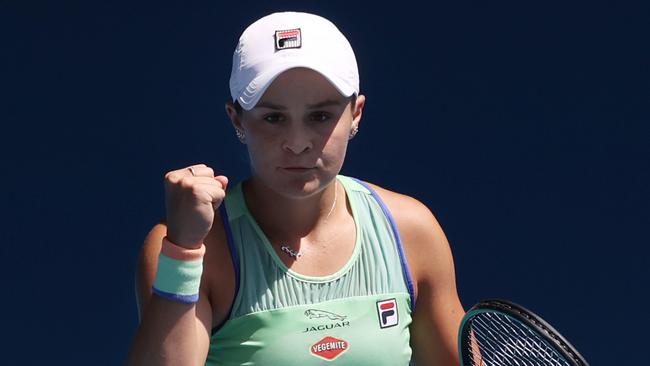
[(524, 127)]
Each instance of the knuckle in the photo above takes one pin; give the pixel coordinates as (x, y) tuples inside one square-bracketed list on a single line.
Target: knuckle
[(171, 177), (197, 190), (186, 182)]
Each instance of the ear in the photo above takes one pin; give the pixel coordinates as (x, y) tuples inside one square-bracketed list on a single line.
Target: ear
[(357, 112), (235, 119)]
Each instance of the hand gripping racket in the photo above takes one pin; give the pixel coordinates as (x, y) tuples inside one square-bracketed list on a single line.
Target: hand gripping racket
[(501, 333)]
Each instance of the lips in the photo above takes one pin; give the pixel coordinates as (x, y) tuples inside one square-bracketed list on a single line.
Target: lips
[(297, 169)]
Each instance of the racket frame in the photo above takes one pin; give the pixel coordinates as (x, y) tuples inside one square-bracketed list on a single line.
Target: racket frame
[(525, 316)]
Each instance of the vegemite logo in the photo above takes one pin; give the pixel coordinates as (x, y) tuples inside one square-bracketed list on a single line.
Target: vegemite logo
[(290, 38), (387, 310), (329, 348), (315, 313)]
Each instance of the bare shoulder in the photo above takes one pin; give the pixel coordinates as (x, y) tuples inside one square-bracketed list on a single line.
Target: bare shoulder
[(403, 205), (411, 215)]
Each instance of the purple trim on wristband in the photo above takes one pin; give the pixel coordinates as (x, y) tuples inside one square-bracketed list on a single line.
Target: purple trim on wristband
[(185, 299), (400, 248), (234, 256)]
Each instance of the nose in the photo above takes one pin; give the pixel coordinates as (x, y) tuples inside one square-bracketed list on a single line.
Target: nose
[(297, 141)]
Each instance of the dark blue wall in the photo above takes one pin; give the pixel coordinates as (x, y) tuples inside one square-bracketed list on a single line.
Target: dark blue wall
[(524, 127)]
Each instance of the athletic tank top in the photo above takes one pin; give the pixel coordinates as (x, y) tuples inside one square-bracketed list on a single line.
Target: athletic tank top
[(359, 315)]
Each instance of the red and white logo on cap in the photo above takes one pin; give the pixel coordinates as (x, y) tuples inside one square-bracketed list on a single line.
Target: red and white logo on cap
[(387, 310), (290, 38), (329, 348)]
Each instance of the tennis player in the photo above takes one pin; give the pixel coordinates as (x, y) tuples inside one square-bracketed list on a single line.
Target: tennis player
[(298, 264)]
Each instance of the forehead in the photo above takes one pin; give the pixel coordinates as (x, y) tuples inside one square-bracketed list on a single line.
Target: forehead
[(300, 86)]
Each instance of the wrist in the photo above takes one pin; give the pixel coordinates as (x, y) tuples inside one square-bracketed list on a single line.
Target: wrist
[(181, 253), (179, 240)]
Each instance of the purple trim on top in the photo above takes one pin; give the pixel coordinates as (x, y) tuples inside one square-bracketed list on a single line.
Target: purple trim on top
[(400, 248), (234, 256), (185, 299)]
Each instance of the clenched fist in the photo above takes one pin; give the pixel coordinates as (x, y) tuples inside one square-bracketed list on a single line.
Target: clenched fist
[(191, 201)]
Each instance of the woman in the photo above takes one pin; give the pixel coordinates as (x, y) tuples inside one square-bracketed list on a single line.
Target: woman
[(297, 265)]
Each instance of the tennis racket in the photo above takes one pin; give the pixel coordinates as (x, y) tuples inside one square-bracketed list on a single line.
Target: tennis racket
[(501, 333)]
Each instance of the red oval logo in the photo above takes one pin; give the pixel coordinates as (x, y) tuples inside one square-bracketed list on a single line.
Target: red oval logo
[(329, 348)]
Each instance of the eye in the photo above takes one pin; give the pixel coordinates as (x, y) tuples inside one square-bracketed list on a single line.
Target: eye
[(273, 118), (319, 116)]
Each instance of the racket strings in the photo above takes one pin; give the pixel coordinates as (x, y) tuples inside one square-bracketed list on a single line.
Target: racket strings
[(498, 340), (522, 340), (511, 346)]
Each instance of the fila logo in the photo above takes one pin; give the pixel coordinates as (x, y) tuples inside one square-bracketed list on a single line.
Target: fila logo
[(329, 348), (387, 310), (290, 38)]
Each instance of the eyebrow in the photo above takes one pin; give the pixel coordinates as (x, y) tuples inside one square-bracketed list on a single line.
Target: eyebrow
[(326, 103), (270, 106)]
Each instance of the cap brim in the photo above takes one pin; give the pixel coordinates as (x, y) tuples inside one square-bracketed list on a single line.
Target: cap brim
[(257, 87)]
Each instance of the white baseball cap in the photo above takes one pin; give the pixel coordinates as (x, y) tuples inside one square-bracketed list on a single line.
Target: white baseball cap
[(282, 41)]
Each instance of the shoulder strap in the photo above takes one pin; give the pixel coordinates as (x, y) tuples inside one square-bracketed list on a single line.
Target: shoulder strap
[(400, 248), (353, 184), (234, 256)]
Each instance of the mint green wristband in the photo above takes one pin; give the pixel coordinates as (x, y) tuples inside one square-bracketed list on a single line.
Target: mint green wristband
[(178, 280)]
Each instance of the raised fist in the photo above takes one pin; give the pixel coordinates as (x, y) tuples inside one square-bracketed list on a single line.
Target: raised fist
[(192, 194)]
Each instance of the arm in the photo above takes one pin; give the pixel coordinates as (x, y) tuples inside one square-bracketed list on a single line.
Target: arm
[(170, 333), (438, 310)]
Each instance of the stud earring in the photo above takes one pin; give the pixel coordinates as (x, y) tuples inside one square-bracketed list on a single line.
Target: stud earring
[(353, 133), (240, 135)]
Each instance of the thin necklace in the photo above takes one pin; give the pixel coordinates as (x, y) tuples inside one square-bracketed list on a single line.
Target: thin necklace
[(296, 254)]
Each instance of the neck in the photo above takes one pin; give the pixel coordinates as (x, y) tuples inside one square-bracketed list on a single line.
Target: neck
[(283, 218)]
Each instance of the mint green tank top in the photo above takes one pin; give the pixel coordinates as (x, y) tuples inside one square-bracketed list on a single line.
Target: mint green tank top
[(359, 315)]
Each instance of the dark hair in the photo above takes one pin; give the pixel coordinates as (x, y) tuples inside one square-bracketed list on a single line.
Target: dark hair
[(239, 109)]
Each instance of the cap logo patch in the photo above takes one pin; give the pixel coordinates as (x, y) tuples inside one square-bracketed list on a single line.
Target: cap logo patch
[(290, 38)]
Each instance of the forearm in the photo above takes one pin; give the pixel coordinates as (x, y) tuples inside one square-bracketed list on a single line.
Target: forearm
[(167, 335)]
